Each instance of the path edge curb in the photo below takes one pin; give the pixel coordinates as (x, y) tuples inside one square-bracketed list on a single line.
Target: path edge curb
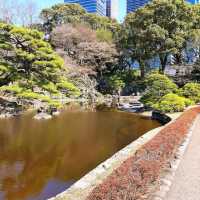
[(167, 180)]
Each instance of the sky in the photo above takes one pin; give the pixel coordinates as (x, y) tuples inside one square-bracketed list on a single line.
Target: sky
[(47, 3), (122, 10)]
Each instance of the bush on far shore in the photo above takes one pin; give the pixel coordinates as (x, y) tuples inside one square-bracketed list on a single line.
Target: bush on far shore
[(164, 95), (173, 103), (157, 86), (191, 91)]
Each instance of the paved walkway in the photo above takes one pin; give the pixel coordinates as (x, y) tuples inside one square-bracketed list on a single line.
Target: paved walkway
[(186, 184)]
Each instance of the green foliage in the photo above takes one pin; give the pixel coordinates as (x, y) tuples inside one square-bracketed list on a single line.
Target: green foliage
[(188, 102), (192, 91), (160, 28), (172, 103), (195, 74), (100, 22), (29, 57), (28, 63), (61, 13), (50, 87), (75, 14), (132, 80), (27, 94), (12, 88), (157, 86), (69, 87), (115, 83), (104, 35)]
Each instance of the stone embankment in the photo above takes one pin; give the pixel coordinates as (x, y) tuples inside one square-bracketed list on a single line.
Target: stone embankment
[(135, 171), (9, 108)]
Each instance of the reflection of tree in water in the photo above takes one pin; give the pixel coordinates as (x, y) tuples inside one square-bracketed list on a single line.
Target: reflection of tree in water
[(31, 179), (63, 148), (40, 162), (38, 167), (126, 134)]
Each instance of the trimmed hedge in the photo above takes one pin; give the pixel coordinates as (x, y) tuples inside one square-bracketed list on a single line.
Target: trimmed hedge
[(173, 103), (157, 86), (191, 91), (137, 174)]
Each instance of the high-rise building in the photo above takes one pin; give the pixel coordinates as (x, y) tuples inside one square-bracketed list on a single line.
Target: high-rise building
[(133, 5), (108, 8), (92, 6), (112, 8), (194, 1)]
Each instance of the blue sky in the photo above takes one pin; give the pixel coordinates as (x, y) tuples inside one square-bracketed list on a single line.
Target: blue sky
[(122, 5), (47, 3)]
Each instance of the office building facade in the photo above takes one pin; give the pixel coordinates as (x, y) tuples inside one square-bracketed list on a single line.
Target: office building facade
[(108, 8), (194, 1), (112, 8), (133, 5), (92, 6)]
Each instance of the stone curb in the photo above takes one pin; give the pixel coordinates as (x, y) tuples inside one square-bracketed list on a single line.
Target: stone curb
[(82, 188), (167, 180)]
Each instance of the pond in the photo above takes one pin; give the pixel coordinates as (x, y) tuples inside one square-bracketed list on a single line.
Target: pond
[(39, 159)]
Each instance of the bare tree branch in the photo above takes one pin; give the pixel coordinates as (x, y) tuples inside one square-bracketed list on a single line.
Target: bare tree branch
[(18, 12)]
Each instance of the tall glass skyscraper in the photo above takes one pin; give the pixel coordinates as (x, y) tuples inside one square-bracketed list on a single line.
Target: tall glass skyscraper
[(92, 6), (133, 5), (194, 1), (108, 8), (112, 8)]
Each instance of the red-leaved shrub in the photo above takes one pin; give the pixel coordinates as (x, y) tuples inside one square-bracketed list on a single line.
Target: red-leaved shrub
[(133, 178)]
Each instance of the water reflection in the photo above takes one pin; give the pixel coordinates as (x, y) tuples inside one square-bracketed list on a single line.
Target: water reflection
[(39, 159)]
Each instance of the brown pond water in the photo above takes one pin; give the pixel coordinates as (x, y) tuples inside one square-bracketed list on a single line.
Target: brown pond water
[(39, 159)]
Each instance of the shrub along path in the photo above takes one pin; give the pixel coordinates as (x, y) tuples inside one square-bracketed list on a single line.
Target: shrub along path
[(186, 184), (138, 175)]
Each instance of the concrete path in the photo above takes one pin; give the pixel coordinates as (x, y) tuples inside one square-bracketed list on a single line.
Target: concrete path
[(186, 184)]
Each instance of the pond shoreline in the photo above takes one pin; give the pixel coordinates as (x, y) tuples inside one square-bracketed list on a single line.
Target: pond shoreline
[(86, 185), (82, 188), (45, 114), (66, 147)]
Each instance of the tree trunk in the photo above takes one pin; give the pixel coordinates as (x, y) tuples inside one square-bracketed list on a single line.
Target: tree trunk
[(142, 68), (163, 62), (178, 58), (5, 80)]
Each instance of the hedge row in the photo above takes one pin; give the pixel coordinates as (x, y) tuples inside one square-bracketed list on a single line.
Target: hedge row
[(132, 180)]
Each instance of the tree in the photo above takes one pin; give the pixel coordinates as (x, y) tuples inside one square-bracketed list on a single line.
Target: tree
[(195, 74), (133, 43), (75, 14), (26, 12), (157, 86), (173, 103), (80, 43), (60, 14), (116, 84), (18, 12), (192, 91), (28, 65), (160, 28), (194, 34), (6, 11), (104, 35), (100, 22)]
